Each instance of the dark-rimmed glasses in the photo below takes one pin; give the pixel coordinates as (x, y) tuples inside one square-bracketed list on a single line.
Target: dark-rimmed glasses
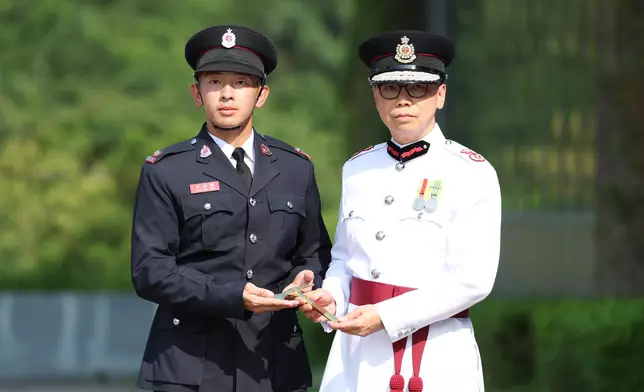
[(414, 90)]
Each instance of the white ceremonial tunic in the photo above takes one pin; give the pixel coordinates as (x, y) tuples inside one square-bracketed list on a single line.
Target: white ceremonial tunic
[(450, 256)]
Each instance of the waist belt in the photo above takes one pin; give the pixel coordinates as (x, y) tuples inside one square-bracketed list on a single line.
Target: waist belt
[(364, 292)]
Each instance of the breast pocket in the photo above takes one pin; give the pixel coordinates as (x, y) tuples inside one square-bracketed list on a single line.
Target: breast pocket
[(286, 213), (422, 228), (208, 220), (359, 222)]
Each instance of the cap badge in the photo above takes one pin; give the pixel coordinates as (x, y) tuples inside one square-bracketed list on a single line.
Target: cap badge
[(405, 51), (228, 39)]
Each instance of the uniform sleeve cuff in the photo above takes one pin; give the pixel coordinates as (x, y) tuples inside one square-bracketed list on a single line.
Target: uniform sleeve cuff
[(325, 327), (389, 312), (239, 288)]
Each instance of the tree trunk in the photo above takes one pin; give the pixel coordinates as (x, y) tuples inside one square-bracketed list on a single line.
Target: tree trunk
[(620, 149)]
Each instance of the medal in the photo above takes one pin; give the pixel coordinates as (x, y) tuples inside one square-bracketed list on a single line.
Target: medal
[(419, 204), (425, 201), (431, 205), (420, 201)]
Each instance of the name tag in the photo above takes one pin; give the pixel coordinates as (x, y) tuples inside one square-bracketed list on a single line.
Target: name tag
[(204, 187)]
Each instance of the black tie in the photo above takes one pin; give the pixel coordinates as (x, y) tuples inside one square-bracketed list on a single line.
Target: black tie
[(242, 169)]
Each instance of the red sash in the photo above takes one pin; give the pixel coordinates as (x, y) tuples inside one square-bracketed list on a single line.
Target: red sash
[(364, 292)]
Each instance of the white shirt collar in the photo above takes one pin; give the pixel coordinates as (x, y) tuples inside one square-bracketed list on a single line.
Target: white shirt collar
[(248, 146)]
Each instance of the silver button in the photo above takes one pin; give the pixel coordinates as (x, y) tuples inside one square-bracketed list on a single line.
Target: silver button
[(375, 273), (289, 204), (252, 201), (350, 213), (400, 166), (193, 141), (295, 328), (207, 206), (380, 235), (249, 274), (253, 238), (176, 321), (389, 200)]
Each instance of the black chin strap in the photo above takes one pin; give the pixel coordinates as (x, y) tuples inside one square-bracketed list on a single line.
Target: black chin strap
[(243, 124), (239, 127)]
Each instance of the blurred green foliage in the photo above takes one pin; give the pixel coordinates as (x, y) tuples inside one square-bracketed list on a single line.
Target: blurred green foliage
[(522, 92), (557, 346), (88, 89)]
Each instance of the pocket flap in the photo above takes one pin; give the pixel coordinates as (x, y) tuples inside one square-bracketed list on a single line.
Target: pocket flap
[(437, 217), (181, 321), (205, 205), (354, 211), (287, 202)]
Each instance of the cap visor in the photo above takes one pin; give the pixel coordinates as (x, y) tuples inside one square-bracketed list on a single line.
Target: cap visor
[(405, 77), (229, 67)]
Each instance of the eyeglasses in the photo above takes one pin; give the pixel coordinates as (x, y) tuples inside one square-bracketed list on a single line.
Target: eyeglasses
[(392, 90)]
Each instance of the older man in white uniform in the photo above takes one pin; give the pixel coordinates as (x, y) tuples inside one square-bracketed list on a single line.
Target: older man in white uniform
[(417, 241)]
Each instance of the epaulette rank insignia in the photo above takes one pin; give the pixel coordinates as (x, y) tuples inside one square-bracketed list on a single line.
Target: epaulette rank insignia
[(361, 151), (303, 153), (476, 157), (153, 158), (466, 152)]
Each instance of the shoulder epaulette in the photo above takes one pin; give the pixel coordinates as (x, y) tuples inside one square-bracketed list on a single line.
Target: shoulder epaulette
[(187, 145), (366, 149), (286, 147), (463, 152)]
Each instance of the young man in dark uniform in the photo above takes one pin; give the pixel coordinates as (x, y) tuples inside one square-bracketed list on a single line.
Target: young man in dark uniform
[(222, 221)]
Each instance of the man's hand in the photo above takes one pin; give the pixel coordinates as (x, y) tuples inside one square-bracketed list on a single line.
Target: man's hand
[(363, 321), (259, 300), (302, 279), (322, 298)]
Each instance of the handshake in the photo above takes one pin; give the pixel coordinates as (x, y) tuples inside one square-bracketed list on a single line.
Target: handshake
[(315, 305)]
